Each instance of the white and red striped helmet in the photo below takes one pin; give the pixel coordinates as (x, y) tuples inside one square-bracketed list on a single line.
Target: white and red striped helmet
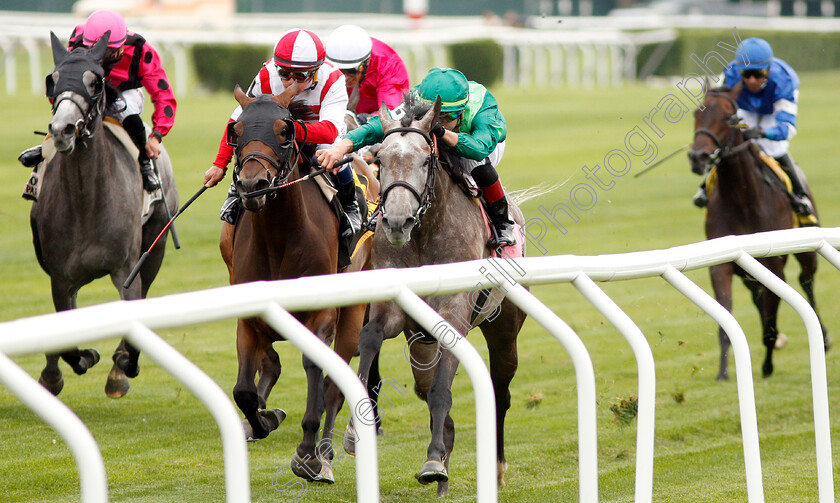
[(299, 50)]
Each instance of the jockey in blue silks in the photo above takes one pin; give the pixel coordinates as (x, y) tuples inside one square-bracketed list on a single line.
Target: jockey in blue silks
[(768, 105)]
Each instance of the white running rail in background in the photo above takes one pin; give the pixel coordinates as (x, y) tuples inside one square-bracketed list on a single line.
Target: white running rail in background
[(273, 300)]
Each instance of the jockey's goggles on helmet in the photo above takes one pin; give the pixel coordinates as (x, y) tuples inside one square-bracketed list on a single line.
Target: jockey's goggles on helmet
[(755, 73), (302, 76), (113, 53), (451, 116)]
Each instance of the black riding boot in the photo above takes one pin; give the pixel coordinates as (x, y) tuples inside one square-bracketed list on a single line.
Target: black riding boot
[(502, 223), (350, 205), (31, 157), (231, 207), (801, 202), (133, 125)]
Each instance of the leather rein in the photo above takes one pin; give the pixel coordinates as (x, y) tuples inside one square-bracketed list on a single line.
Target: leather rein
[(729, 149)]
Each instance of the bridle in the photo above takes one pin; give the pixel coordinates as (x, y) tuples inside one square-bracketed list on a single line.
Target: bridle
[(426, 197), (95, 108), (283, 172), (729, 149)]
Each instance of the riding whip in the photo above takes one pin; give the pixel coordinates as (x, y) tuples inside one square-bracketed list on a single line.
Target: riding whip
[(175, 240), (660, 161), (145, 255)]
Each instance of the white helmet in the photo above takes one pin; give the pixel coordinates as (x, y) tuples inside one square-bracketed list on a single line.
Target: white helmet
[(348, 46)]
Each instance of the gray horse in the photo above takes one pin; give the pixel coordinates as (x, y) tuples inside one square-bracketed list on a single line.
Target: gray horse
[(416, 191), (87, 220)]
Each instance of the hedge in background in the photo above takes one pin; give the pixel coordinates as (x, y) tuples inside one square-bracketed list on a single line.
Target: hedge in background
[(480, 60), (220, 67), (803, 51)]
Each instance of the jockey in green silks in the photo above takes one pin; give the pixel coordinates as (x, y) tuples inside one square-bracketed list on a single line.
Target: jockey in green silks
[(470, 125)]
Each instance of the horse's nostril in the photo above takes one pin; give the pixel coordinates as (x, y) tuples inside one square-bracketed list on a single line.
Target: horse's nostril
[(70, 129), (261, 184), (408, 224)]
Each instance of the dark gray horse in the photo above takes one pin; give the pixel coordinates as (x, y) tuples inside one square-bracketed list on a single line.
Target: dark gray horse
[(453, 230), (87, 220)]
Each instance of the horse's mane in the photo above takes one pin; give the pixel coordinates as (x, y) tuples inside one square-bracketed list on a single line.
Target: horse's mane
[(414, 107), (720, 89)]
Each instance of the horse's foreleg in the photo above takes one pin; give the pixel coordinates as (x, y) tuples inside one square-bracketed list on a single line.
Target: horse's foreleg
[(250, 350), (51, 377), (442, 426), (722, 284), (808, 262), (64, 298), (767, 303), (270, 369)]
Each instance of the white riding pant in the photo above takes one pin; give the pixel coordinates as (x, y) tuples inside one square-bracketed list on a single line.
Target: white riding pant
[(131, 103), (495, 157)]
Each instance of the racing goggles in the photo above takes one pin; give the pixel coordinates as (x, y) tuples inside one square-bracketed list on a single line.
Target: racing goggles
[(755, 73), (285, 73), (451, 116)]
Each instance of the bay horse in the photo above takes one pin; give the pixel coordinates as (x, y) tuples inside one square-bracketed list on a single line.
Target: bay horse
[(87, 221), (288, 231), (415, 190), (747, 198)]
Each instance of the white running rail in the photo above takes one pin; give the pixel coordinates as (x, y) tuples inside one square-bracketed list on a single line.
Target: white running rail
[(273, 301)]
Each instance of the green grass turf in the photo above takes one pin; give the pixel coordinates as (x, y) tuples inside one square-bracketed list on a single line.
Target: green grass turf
[(159, 444)]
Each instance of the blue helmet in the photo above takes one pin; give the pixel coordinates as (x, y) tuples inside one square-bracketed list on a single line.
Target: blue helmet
[(754, 54)]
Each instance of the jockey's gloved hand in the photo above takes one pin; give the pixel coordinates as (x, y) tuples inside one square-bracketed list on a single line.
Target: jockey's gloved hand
[(438, 130), (363, 119), (753, 134)]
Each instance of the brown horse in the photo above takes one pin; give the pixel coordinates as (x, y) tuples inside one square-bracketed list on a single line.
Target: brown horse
[(281, 225), (747, 198), (452, 230)]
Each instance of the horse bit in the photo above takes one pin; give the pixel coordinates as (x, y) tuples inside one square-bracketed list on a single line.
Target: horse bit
[(425, 199)]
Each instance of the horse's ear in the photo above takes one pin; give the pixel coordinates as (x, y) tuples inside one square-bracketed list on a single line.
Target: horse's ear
[(385, 118), (241, 97), (97, 52), (58, 49), (283, 99), (431, 116)]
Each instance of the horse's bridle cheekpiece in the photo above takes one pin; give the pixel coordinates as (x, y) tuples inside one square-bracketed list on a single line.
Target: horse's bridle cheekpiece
[(69, 88), (428, 195)]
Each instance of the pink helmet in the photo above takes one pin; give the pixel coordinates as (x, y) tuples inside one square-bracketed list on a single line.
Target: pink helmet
[(300, 50), (101, 21)]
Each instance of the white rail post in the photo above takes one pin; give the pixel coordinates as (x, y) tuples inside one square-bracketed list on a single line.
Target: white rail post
[(585, 377), (485, 401), (647, 381), (367, 464), (819, 379), (237, 473), (92, 478), (743, 375)]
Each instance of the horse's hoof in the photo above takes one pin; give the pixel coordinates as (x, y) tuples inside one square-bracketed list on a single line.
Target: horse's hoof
[(272, 418), (117, 384), (781, 341), (349, 442), (767, 370), (432, 471), (89, 358), (826, 341), (501, 469), (249, 432), (54, 384), (308, 468), (723, 376), (326, 474)]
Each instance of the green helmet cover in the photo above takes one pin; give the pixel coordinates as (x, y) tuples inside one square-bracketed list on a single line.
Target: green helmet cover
[(448, 83)]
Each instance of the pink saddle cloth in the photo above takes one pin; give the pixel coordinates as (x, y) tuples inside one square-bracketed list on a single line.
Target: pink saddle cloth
[(510, 251)]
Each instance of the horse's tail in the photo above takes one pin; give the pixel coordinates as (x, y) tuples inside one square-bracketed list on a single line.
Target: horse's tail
[(520, 196)]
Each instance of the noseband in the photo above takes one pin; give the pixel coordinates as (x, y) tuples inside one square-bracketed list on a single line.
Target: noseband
[(95, 107), (729, 149), (428, 195)]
